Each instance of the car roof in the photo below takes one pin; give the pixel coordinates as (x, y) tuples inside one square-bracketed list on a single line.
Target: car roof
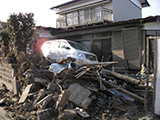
[(63, 40)]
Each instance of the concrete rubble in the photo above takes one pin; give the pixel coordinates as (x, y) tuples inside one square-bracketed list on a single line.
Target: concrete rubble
[(87, 91)]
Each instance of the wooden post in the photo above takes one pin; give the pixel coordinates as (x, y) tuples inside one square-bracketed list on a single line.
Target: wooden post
[(146, 92), (122, 77)]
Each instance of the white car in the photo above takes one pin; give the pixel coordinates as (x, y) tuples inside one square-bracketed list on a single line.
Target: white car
[(61, 48)]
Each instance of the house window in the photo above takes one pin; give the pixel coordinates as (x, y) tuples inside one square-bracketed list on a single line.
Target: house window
[(75, 18), (87, 15), (69, 19), (98, 13), (81, 16)]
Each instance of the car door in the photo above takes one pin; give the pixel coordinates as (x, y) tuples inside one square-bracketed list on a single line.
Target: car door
[(65, 49), (53, 50)]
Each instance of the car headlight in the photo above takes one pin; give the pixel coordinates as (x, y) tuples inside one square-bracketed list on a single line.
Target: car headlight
[(79, 54)]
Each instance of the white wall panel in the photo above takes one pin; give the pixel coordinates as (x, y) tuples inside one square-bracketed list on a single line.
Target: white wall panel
[(157, 88)]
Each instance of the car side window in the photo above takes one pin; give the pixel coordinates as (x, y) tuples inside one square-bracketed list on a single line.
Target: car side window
[(63, 45)]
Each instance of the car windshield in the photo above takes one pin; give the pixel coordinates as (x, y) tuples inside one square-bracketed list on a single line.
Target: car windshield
[(78, 46)]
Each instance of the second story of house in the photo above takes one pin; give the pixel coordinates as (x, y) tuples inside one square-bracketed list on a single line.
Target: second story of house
[(86, 12)]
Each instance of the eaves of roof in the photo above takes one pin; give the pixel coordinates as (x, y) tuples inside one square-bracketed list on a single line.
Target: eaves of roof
[(64, 4), (48, 28), (109, 24), (144, 3)]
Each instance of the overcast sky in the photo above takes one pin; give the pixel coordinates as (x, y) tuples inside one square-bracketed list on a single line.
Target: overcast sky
[(46, 17)]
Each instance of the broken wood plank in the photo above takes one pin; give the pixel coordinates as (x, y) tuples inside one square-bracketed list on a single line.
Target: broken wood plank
[(40, 95), (132, 95), (122, 109), (25, 93), (122, 77), (63, 98), (43, 103), (67, 114), (82, 73), (100, 63)]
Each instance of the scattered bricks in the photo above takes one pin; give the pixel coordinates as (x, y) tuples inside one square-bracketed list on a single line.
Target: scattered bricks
[(43, 103), (79, 95), (63, 99), (25, 93), (67, 114), (44, 114)]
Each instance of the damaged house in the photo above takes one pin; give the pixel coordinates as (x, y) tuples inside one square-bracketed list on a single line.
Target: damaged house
[(43, 89), (113, 30)]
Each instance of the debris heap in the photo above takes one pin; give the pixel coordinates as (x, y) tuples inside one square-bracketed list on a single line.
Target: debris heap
[(71, 90)]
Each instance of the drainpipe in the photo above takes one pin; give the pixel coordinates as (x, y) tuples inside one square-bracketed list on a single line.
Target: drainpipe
[(103, 10)]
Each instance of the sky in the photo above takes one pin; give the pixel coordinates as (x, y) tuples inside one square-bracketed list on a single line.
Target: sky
[(45, 17)]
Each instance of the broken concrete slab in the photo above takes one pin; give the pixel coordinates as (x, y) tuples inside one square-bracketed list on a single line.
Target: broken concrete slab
[(79, 95), (25, 93), (63, 99)]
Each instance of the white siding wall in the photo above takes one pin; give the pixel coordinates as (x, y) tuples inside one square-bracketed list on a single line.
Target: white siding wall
[(152, 26), (157, 84), (136, 2), (125, 10)]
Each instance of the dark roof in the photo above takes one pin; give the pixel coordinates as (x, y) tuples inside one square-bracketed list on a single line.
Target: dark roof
[(144, 3), (72, 1), (47, 28), (111, 24)]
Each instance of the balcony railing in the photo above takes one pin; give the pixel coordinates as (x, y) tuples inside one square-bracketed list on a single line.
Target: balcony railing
[(86, 16)]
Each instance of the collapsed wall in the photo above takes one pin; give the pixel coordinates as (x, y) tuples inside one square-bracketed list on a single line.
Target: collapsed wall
[(7, 75)]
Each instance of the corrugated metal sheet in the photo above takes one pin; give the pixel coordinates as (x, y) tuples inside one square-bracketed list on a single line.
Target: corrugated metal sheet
[(131, 47), (118, 53), (126, 47)]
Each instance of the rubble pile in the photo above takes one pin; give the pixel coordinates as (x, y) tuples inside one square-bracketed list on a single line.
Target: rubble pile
[(69, 90)]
